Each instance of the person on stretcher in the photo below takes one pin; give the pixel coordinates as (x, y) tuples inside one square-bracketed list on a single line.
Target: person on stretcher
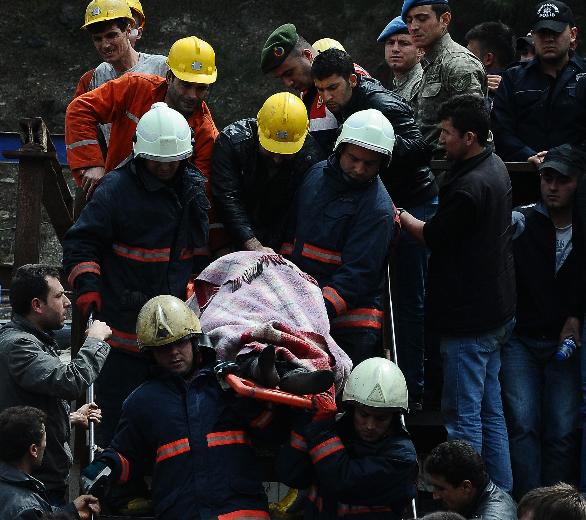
[(268, 316)]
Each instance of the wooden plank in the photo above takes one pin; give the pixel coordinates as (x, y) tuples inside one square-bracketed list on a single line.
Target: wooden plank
[(58, 210), (29, 195)]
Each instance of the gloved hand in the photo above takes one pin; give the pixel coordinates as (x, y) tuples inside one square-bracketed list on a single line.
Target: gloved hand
[(324, 406), (86, 301), (95, 478)]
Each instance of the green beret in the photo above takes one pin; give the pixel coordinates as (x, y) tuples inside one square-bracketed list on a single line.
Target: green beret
[(278, 46)]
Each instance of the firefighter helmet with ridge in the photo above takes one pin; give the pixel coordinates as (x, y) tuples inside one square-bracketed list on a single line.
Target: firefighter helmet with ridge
[(164, 320), (377, 382), (163, 135), (368, 129)]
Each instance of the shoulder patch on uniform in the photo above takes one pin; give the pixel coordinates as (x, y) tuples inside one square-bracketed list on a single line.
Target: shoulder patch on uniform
[(463, 83), (376, 396)]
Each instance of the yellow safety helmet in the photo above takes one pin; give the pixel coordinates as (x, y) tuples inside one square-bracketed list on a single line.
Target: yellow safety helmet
[(164, 320), (194, 60), (136, 7), (327, 43), (282, 123), (103, 10), (377, 382)]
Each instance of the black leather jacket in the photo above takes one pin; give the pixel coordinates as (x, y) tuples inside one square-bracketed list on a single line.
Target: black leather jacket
[(23, 497), (409, 179), (493, 504), (253, 203)]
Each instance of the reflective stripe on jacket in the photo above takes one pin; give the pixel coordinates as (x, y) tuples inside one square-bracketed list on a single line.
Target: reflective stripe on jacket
[(197, 436), (342, 238), (135, 239)]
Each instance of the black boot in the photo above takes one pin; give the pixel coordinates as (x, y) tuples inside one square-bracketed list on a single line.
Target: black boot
[(301, 381), (263, 369)]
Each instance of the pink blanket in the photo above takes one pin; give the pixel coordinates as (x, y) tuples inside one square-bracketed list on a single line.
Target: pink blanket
[(248, 300)]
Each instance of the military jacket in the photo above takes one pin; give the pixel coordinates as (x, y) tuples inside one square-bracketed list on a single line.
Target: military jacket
[(448, 69), (408, 86)]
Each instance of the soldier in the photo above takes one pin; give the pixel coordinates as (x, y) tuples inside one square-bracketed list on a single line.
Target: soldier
[(288, 56), (403, 58), (257, 166), (448, 68)]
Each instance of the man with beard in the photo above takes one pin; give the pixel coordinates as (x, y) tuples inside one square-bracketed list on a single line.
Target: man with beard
[(23, 441)]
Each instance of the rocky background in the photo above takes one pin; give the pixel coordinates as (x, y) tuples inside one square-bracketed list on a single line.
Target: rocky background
[(44, 53)]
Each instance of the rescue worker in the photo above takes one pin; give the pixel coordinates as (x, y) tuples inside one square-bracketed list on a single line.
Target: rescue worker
[(32, 374), (113, 25), (538, 105), (403, 58), (343, 229), (194, 434), (257, 166), (288, 56), (143, 233), (363, 464), (448, 68), (409, 181), (123, 102)]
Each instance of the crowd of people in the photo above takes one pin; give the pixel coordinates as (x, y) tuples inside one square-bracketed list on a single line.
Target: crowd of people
[(282, 233)]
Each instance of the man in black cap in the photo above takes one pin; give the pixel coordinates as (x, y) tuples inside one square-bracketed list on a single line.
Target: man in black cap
[(541, 394), (288, 56), (538, 105), (525, 48)]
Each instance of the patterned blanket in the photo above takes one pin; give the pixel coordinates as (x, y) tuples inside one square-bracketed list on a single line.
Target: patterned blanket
[(247, 300)]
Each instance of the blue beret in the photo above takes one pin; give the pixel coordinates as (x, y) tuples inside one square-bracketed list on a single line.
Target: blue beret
[(395, 26), (408, 4)]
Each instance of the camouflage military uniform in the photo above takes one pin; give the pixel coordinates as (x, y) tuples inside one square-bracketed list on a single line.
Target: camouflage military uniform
[(448, 69), (408, 86)]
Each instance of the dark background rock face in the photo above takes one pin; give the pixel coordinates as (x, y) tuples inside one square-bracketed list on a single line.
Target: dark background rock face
[(44, 52)]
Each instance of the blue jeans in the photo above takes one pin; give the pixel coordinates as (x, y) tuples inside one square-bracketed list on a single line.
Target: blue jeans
[(582, 353), (408, 298), (541, 397), (471, 398)]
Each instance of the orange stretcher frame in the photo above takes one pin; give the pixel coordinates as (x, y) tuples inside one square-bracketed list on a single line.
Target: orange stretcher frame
[(318, 403), (247, 388)]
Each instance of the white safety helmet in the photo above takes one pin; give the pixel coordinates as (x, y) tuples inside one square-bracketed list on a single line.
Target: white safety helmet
[(163, 135), (368, 129), (377, 382)]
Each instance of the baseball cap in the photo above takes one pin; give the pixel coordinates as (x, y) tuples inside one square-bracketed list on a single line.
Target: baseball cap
[(564, 159), (553, 15)]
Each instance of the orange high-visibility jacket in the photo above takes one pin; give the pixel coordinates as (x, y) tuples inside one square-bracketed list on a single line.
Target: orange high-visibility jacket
[(122, 102)]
